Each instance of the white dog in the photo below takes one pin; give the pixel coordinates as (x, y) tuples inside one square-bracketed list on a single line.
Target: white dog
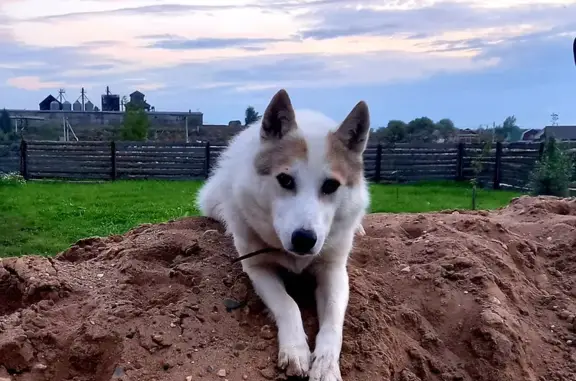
[(295, 184)]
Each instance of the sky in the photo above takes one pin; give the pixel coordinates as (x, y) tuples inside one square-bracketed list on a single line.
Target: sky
[(475, 62)]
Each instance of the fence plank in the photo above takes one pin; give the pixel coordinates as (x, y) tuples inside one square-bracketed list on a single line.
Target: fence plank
[(408, 163), (68, 176), (69, 169), (198, 176), (52, 143), (34, 163), (151, 150), (130, 166), (55, 157), (439, 146)]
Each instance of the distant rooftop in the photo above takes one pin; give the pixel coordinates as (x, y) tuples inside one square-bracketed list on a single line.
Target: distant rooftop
[(561, 132)]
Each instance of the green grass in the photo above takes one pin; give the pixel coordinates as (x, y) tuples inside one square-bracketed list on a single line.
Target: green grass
[(435, 196), (47, 217)]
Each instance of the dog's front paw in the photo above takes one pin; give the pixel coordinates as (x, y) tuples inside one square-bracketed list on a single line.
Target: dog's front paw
[(295, 359), (325, 366)]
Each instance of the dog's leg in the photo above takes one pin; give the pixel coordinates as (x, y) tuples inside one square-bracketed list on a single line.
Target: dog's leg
[(360, 230), (332, 299), (294, 352)]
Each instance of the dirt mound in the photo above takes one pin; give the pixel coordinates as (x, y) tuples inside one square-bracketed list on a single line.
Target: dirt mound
[(447, 296)]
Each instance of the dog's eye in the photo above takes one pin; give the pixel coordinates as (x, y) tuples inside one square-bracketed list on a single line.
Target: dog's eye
[(330, 186), (286, 181)]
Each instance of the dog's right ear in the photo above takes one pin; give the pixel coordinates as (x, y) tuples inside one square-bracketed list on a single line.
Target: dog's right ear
[(279, 118)]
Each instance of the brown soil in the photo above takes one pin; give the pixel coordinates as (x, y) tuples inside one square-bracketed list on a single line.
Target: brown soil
[(444, 296)]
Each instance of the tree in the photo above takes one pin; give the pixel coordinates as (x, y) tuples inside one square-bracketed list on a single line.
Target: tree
[(136, 124), (418, 130), (509, 123), (445, 128), (421, 129), (377, 133), (123, 102), (251, 115), (508, 131), (395, 132), (485, 134), (553, 173), (5, 122)]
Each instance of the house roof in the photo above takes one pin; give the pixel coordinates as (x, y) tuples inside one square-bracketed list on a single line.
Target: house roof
[(136, 93), (50, 98), (467, 131), (561, 132), (533, 132)]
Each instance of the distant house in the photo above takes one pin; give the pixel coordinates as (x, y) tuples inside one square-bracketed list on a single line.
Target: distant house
[(137, 98), (467, 136), (532, 135), (45, 104), (561, 133)]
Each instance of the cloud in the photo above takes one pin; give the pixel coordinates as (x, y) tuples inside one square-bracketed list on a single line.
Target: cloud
[(245, 48), (150, 86), (31, 83), (127, 11), (109, 8), (175, 43), (17, 60), (435, 19)]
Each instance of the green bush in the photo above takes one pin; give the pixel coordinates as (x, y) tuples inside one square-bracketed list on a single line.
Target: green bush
[(11, 178), (5, 122), (553, 172), (136, 124), (478, 163)]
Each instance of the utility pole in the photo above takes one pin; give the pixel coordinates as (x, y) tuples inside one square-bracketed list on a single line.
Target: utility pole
[(83, 96), (555, 118)]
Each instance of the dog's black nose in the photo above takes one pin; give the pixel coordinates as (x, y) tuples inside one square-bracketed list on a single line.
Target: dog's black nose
[(303, 241)]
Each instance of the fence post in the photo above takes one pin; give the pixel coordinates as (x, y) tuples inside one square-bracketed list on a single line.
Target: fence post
[(207, 160), (113, 173), (460, 162), (378, 166), (498, 166), (24, 159)]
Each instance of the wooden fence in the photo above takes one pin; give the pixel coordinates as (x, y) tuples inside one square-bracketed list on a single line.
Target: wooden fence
[(504, 165)]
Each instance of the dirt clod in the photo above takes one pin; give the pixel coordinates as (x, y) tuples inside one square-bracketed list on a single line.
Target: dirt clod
[(458, 295)]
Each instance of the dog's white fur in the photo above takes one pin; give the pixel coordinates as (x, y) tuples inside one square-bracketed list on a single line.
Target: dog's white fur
[(259, 213)]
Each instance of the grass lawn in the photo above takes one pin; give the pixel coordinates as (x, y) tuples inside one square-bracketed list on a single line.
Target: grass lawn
[(47, 217)]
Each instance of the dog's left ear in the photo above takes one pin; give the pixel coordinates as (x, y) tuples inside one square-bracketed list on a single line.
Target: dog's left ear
[(354, 130)]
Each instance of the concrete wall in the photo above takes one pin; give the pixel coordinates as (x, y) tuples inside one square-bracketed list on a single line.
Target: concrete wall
[(107, 118), (105, 125)]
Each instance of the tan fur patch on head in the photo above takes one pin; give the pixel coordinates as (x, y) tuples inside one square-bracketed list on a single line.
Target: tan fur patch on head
[(347, 166), (277, 156)]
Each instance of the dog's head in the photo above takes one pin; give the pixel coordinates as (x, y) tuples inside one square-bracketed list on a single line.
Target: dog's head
[(309, 172)]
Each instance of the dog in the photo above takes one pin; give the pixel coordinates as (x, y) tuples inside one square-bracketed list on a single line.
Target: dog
[(296, 184)]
